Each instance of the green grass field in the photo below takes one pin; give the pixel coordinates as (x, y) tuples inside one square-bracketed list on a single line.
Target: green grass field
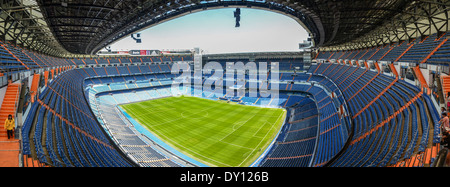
[(215, 133)]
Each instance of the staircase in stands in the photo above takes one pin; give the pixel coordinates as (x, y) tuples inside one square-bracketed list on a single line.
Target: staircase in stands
[(420, 159), (9, 105), (446, 84), (9, 148)]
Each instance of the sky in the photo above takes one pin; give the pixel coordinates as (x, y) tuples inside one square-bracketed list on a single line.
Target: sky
[(214, 32)]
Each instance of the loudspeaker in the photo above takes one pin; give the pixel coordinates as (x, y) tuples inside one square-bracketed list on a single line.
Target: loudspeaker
[(137, 38)]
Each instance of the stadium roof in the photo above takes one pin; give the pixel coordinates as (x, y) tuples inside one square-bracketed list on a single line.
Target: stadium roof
[(83, 27)]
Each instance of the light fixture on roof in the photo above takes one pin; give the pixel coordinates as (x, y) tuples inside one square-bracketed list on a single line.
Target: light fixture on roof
[(237, 15), (137, 38)]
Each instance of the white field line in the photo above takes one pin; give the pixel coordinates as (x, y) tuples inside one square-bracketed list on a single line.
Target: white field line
[(190, 150), (170, 119), (261, 140)]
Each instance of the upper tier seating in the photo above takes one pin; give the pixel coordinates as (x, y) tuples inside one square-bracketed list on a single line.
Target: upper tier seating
[(392, 119), (430, 49), (62, 131)]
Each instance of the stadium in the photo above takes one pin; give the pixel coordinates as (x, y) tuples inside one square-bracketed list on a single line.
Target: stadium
[(365, 89)]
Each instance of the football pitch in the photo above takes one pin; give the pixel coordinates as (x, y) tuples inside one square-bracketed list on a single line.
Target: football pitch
[(215, 133)]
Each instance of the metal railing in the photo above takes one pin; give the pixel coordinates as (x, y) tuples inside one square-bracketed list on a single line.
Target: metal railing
[(441, 158)]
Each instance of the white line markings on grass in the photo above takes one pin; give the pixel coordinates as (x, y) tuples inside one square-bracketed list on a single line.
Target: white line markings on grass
[(256, 132), (184, 116), (240, 123), (234, 129), (236, 126), (261, 140), (256, 147), (186, 148), (155, 111), (200, 116)]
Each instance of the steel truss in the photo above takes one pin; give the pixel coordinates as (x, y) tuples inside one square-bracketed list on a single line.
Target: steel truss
[(22, 24), (80, 28), (419, 19)]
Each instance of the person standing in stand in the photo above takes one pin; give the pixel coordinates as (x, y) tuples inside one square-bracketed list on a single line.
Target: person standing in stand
[(448, 101), (9, 126)]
